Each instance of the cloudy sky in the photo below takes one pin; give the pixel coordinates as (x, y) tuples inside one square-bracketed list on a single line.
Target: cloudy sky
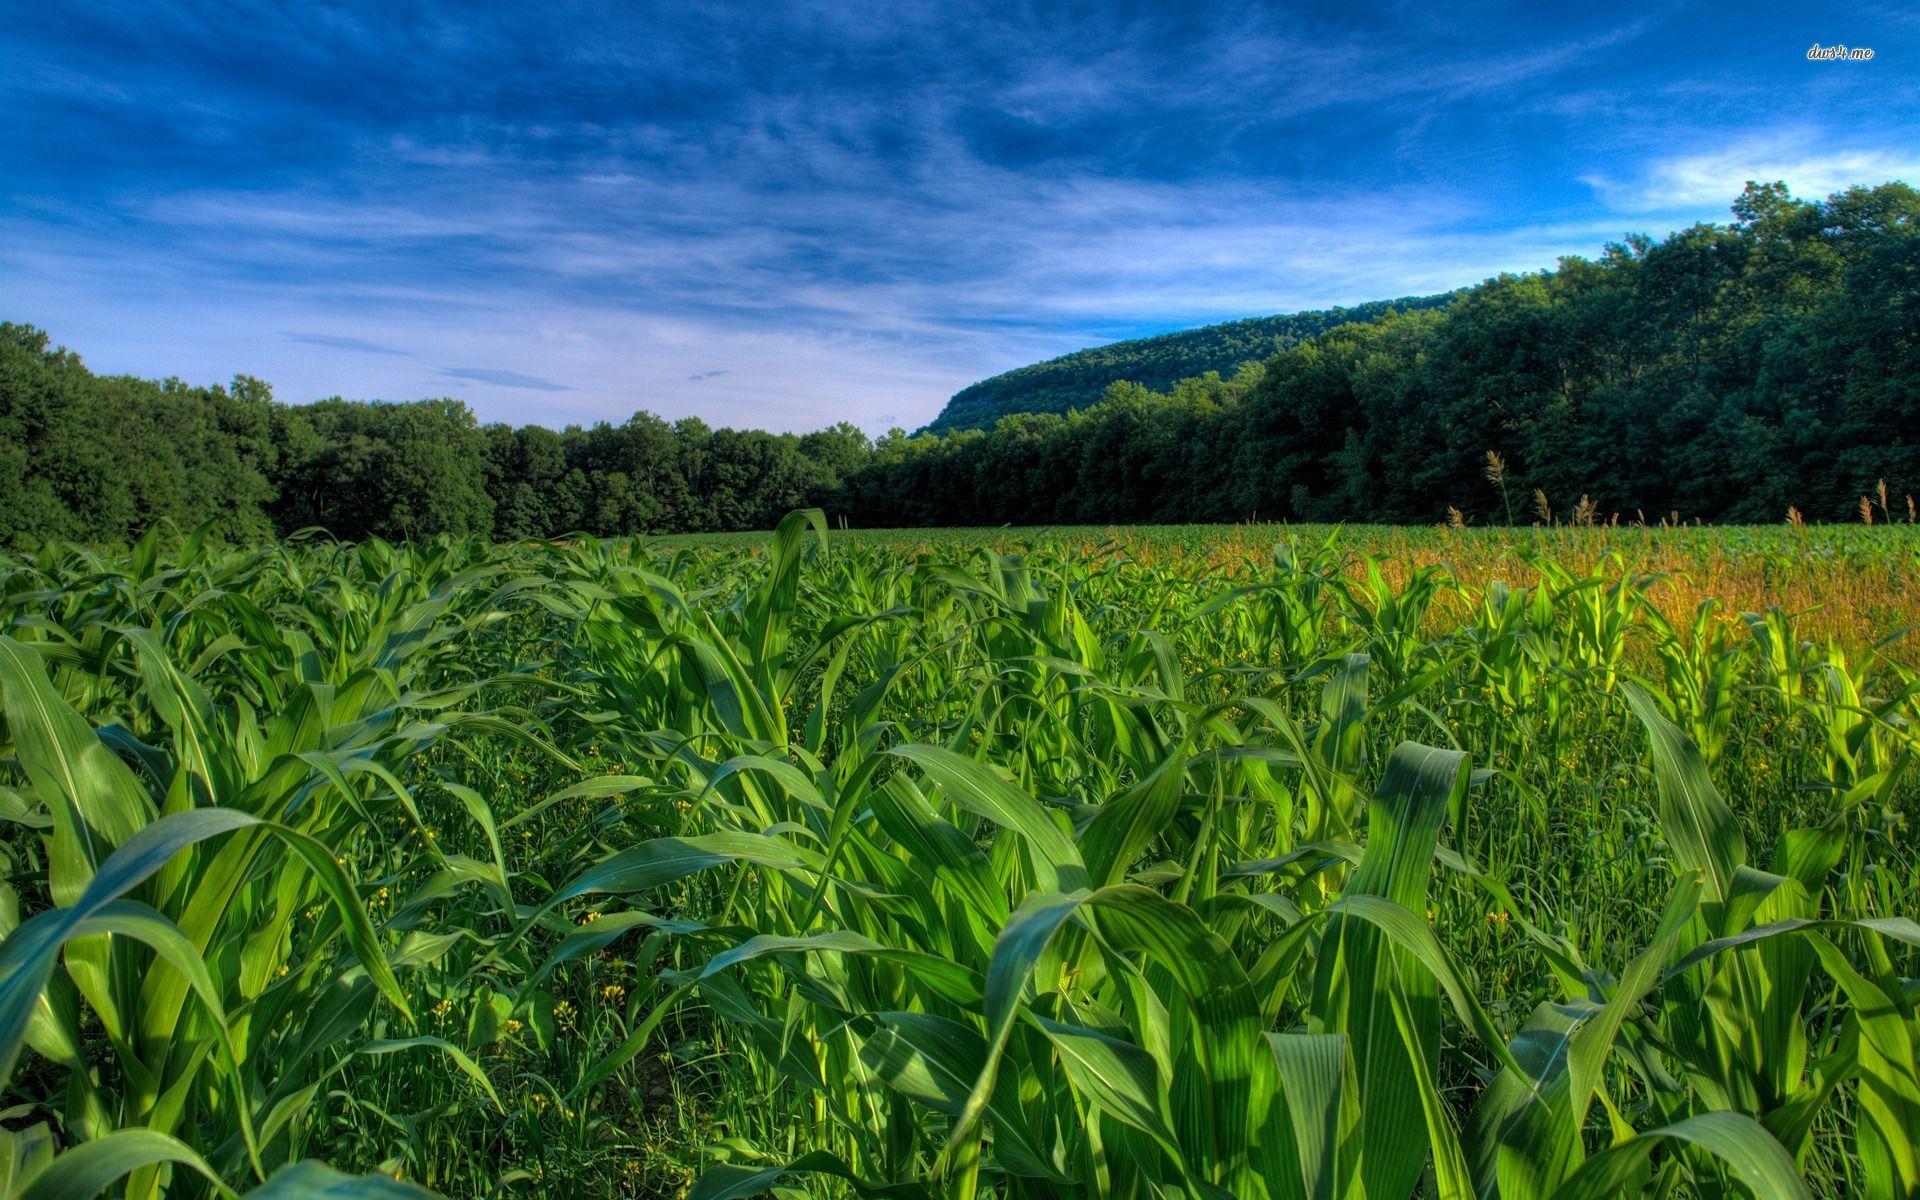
[(782, 215)]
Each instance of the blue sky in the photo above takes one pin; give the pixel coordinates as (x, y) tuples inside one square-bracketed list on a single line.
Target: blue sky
[(784, 215)]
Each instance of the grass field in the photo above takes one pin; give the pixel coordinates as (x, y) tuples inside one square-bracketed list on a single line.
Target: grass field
[(1186, 861)]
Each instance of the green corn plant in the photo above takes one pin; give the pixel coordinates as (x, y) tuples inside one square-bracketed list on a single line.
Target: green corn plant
[(181, 898), (1701, 669), (1730, 967), (1145, 1007), (971, 864)]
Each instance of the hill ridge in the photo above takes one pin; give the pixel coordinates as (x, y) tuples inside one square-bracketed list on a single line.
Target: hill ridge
[(1078, 379)]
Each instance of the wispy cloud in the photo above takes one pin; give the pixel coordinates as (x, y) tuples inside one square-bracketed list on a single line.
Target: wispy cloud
[(507, 379), (1811, 163), (792, 213), (334, 342)]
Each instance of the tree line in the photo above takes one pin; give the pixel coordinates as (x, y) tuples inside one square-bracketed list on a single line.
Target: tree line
[(97, 458), (1726, 372)]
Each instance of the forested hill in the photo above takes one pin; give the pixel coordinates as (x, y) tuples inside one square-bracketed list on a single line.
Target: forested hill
[(1079, 380)]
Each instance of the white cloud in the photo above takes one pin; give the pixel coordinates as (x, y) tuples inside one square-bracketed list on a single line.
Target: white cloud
[(1808, 162), (908, 300), (625, 213)]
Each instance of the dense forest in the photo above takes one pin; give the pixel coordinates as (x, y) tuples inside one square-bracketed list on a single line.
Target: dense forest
[(96, 458), (1726, 372), (1080, 380)]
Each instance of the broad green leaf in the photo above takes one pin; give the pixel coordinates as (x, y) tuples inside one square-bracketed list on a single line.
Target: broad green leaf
[(1736, 1139), (90, 1167), (733, 1182), (977, 788), (1357, 966), (1698, 824), (311, 1180)]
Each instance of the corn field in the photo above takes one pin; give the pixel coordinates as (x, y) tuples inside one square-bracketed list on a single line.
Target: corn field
[(1194, 863)]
